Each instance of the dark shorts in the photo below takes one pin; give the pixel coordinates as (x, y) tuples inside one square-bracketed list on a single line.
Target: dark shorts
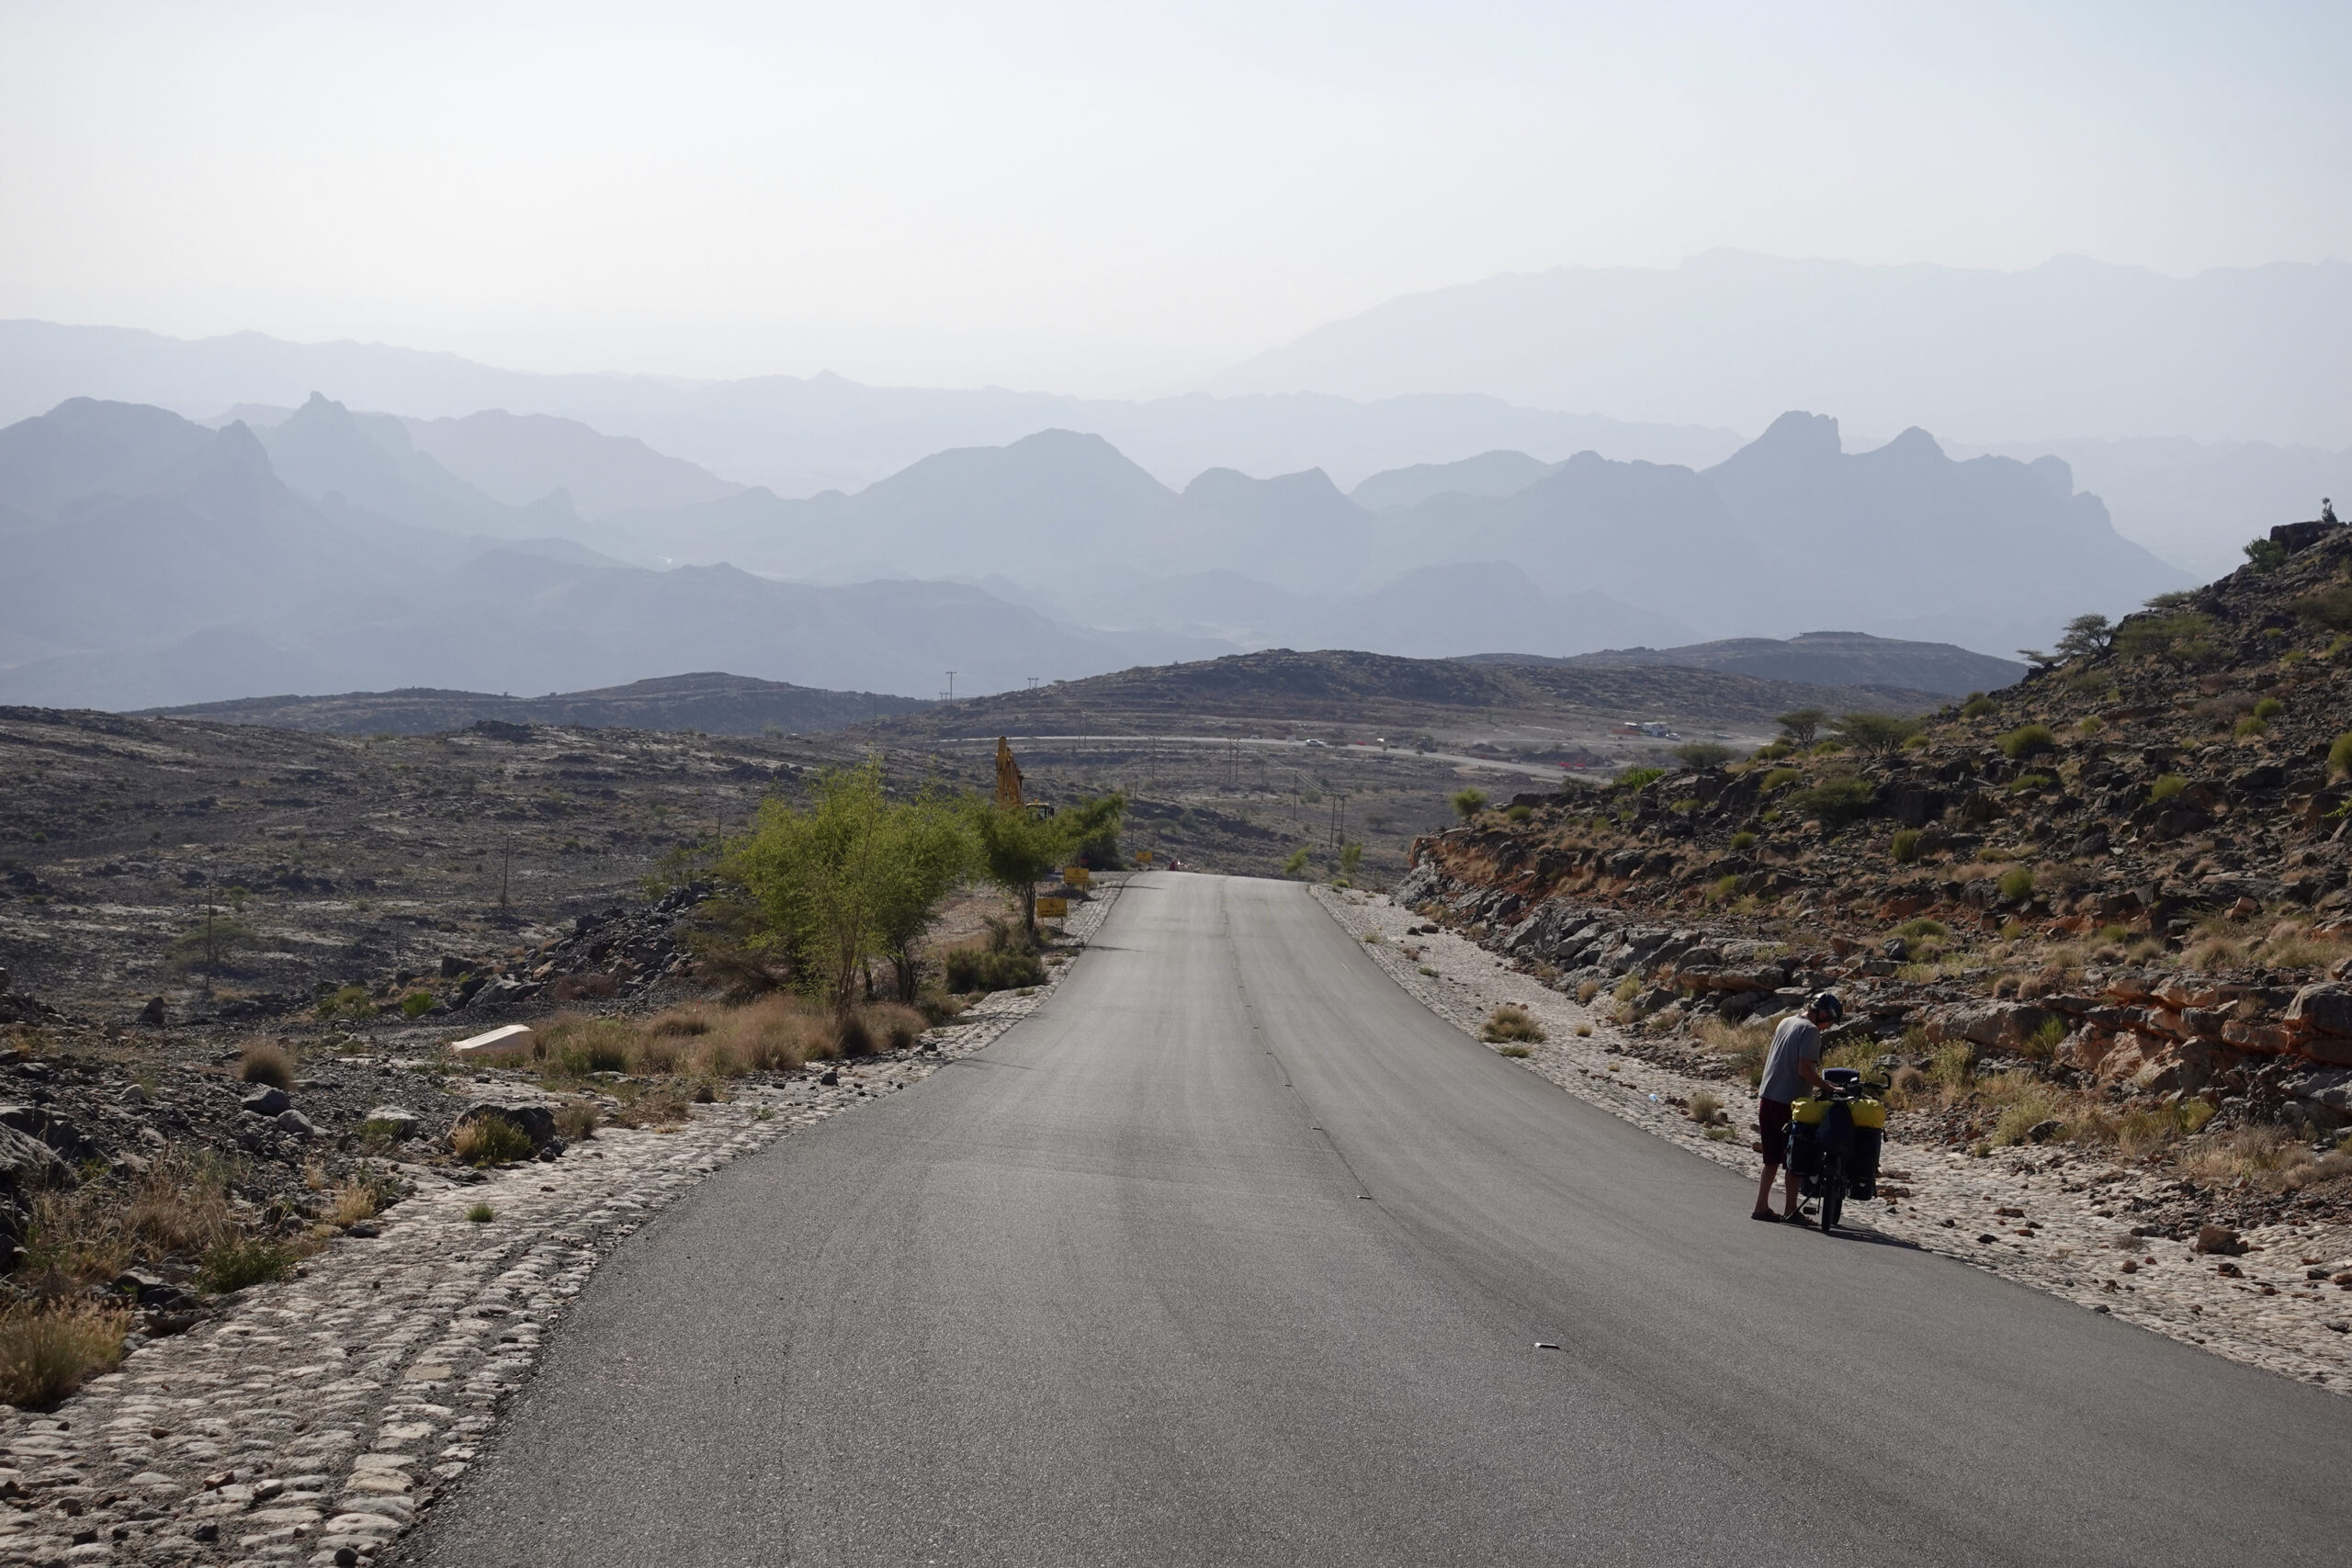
[(1772, 1115)]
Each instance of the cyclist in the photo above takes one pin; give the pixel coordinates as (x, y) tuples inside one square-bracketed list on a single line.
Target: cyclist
[(1792, 1065)]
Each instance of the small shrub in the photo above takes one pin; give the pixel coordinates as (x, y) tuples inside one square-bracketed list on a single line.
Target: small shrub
[(1584, 1031), (1297, 861), (355, 1202), (2269, 708), (1952, 1068), (481, 1214), (2026, 740), (349, 1002), (266, 1065), (1705, 1107), (1469, 802), (2330, 607), (1876, 731), (1904, 846), (1742, 841), (1835, 801), (1977, 706), (48, 1351), (2164, 788), (2091, 724), (1519, 815), (894, 1027), (2046, 1040), (854, 1038), (416, 1004), (1703, 754), (489, 1140), (2339, 754), (2250, 727), (1514, 1050), (1586, 990), (577, 1119), (1776, 777), (231, 1266), (976, 969), (1510, 1022), (1635, 779)]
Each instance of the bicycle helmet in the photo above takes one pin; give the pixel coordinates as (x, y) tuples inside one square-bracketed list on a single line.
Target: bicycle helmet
[(1826, 1004)]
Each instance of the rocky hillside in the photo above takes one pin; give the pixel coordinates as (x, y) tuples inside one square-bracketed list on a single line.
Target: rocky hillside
[(713, 702), (2116, 889)]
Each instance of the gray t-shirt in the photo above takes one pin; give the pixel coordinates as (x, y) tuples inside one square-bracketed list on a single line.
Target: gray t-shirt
[(1794, 1042)]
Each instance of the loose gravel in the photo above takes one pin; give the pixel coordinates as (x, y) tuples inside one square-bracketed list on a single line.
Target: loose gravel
[(2057, 1222), (313, 1420)]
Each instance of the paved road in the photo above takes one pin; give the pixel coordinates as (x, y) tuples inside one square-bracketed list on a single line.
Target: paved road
[(1350, 750), (1234, 1255)]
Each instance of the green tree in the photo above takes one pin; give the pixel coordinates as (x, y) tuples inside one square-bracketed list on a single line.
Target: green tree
[(1469, 802), (1351, 859), (1018, 847), (1703, 754), (848, 877), (2086, 637), (929, 854), (1297, 861), (2265, 555), (1801, 725), (1876, 731), (209, 944)]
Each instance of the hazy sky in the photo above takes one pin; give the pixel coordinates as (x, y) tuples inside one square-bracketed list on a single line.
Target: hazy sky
[(1101, 198)]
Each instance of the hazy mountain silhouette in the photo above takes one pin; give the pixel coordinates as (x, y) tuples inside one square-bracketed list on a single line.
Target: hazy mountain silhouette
[(178, 567), (519, 458), (2073, 347), (1489, 473), (801, 435)]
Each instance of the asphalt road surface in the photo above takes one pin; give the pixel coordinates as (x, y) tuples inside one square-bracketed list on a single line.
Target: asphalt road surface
[(1233, 1255)]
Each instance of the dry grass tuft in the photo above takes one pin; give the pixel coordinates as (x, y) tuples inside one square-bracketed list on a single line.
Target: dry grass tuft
[(491, 1140), (1705, 1107), (88, 1235), (776, 1032), (1512, 1023), (267, 1065), (48, 1351), (577, 1119)]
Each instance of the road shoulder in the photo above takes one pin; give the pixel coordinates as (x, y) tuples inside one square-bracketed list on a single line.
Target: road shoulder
[(2067, 1232), (319, 1416)]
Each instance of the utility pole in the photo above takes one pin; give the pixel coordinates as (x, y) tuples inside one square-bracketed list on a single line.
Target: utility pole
[(505, 867), (951, 685)]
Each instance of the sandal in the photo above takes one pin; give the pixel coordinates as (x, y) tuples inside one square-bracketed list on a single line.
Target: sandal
[(1767, 1215)]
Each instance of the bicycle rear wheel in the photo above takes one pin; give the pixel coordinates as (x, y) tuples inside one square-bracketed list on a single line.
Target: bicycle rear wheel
[(1833, 1197)]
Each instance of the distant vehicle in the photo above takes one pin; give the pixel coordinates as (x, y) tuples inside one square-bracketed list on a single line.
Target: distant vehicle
[(1317, 743)]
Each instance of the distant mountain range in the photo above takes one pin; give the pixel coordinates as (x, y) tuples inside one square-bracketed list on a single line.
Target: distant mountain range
[(711, 703), (796, 436), (148, 561), (1786, 533), (2015, 362), (2074, 348)]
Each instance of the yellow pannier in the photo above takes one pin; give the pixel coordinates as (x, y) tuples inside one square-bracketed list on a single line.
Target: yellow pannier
[(1870, 1113), (1808, 1112)]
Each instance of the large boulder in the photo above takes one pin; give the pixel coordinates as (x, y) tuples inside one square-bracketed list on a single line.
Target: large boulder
[(25, 1162), (534, 1117), (2321, 1008)]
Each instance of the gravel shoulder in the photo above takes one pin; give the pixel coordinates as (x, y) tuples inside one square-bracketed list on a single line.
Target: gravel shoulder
[(2068, 1228), (315, 1418)]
